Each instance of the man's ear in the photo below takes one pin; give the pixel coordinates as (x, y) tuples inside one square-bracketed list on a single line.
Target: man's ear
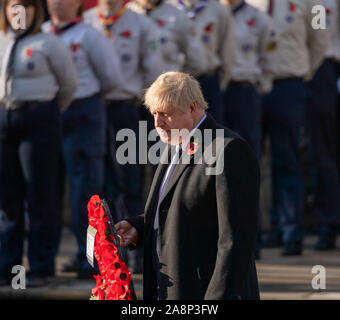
[(193, 107)]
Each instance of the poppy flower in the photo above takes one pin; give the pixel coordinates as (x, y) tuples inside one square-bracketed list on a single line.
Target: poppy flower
[(29, 52), (126, 34), (192, 148), (114, 280), (292, 7), (161, 23), (251, 22), (208, 28)]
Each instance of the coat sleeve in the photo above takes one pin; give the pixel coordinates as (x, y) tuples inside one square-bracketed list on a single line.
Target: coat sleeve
[(138, 223), (237, 197)]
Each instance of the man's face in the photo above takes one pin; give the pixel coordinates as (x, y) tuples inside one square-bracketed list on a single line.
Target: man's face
[(64, 10), (169, 123)]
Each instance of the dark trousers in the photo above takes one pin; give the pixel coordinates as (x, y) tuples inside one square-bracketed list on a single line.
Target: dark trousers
[(84, 147), (29, 149), (322, 134), (243, 114), (284, 118), (210, 86), (123, 185)]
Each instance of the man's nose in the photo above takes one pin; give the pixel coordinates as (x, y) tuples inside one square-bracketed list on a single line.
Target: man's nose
[(158, 120)]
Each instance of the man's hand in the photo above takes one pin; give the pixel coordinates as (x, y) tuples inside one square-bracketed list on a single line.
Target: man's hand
[(126, 233)]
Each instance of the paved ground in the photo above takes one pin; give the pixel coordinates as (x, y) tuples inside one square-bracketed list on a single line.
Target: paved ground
[(279, 277)]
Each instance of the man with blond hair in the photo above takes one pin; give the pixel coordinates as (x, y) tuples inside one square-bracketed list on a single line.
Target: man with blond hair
[(199, 226)]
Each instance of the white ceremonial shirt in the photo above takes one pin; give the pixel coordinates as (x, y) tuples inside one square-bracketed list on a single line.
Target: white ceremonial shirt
[(177, 40), (333, 26), (214, 27), (135, 40), (95, 59), (301, 48), (42, 70), (256, 47)]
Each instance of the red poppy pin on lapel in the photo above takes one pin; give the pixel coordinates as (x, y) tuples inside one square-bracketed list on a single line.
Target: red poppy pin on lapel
[(192, 148)]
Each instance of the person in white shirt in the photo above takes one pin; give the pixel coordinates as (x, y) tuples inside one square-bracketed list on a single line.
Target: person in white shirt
[(322, 134), (252, 75), (84, 123), (179, 44), (38, 81), (136, 41), (213, 26), (301, 51)]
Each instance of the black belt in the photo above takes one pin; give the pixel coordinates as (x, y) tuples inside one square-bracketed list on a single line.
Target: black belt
[(21, 105)]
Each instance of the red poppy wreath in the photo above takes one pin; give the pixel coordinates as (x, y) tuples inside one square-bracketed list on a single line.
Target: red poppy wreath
[(114, 281)]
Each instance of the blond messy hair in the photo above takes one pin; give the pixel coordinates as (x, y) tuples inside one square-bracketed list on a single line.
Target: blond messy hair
[(174, 90)]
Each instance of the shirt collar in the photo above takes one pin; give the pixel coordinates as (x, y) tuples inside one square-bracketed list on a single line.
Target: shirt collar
[(238, 7)]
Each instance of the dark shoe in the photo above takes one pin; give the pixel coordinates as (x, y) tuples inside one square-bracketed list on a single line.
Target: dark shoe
[(326, 241), (72, 266), (292, 248), (274, 239)]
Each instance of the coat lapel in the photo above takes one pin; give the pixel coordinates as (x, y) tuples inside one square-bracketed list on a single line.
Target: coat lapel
[(152, 200), (186, 159)]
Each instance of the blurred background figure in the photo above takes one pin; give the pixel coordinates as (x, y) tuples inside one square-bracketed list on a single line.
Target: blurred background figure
[(301, 51), (213, 25), (177, 40), (84, 123), (135, 40), (38, 80), (322, 133), (252, 73)]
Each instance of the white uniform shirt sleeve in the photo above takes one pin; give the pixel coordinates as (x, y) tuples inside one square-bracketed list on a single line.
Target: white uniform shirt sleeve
[(195, 61), (317, 40), (61, 63), (104, 61), (227, 46), (151, 56), (269, 43)]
